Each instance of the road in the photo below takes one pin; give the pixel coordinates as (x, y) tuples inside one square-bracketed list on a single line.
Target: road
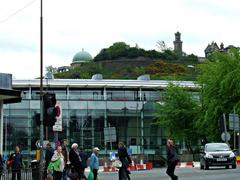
[(183, 173)]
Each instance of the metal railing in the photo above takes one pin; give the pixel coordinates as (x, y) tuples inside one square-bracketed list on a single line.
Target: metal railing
[(26, 174)]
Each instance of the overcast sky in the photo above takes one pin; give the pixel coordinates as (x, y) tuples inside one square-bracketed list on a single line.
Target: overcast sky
[(70, 25)]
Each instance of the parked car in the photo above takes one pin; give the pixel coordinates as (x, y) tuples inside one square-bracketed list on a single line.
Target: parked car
[(217, 154)]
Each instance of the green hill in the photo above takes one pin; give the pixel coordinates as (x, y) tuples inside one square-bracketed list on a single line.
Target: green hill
[(120, 61)]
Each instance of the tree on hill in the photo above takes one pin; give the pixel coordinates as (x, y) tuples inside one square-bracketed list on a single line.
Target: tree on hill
[(122, 50), (51, 69)]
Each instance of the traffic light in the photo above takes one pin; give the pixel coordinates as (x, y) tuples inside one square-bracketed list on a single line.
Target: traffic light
[(50, 112), (36, 118)]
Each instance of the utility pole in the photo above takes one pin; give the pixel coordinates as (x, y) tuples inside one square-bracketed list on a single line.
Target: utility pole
[(41, 168), (225, 128)]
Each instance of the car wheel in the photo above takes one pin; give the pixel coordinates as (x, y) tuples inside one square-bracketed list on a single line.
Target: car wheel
[(227, 167), (206, 167), (234, 166)]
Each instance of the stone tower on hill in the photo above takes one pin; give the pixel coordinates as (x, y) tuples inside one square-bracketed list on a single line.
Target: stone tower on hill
[(178, 43)]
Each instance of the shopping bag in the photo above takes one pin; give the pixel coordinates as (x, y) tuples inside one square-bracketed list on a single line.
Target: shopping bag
[(117, 164), (91, 176)]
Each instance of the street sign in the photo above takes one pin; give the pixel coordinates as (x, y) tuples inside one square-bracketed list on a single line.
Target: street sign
[(110, 134), (234, 122), (58, 124), (113, 156), (225, 136)]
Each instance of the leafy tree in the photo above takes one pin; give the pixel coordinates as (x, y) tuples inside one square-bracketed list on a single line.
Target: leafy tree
[(162, 46), (170, 55), (51, 69), (220, 82), (178, 115), (189, 58)]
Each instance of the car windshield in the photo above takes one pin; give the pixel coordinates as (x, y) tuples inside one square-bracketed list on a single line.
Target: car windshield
[(217, 147)]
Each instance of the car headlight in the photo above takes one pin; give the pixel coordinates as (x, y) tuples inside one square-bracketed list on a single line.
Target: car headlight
[(232, 155), (209, 156)]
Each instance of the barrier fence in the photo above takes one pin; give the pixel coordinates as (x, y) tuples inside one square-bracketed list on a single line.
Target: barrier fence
[(26, 174)]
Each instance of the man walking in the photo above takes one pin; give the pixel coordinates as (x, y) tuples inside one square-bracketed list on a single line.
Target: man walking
[(84, 159), (48, 156)]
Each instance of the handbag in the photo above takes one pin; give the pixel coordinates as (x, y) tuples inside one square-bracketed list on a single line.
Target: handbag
[(72, 174), (10, 163), (49, 177)]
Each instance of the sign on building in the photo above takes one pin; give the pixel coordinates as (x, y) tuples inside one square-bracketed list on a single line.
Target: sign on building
[(110, 134), (58, 123)]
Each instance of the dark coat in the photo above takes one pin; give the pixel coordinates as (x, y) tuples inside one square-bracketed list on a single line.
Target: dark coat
[(84, 158), (48, 155), (75, 159), (17, 163), (124, 157), (1, 165), (172, 156)]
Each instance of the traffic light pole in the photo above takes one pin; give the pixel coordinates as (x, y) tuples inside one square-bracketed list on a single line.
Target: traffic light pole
[(41, 168)]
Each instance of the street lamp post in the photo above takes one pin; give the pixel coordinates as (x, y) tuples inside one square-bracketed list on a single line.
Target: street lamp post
[(41, 93)]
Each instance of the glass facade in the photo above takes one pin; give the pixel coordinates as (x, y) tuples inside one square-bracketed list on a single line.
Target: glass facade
[(86, 113)]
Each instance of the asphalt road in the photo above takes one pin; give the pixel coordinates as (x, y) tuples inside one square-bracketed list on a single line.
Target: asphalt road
[(183, 173)]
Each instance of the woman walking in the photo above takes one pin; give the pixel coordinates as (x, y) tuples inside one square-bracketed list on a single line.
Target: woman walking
[(125, 160), (57, 164), (172, 159)]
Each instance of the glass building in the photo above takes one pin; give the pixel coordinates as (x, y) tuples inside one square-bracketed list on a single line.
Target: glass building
[(92, 111)]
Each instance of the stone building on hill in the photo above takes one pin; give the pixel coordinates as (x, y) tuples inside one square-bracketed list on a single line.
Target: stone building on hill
[(213, 47)]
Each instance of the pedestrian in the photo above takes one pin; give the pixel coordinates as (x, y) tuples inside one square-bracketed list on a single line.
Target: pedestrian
[(65, 155), (48, 156), (84, 158), (172, 159), (57, 162), (15, 160), (94, 162), (1, 166), (125, 160), (75, 160)]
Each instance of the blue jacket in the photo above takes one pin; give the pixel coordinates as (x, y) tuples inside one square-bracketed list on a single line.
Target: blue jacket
[(94, 161)]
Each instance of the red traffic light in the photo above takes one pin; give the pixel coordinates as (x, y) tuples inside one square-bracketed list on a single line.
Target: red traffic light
[(57, 111)]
